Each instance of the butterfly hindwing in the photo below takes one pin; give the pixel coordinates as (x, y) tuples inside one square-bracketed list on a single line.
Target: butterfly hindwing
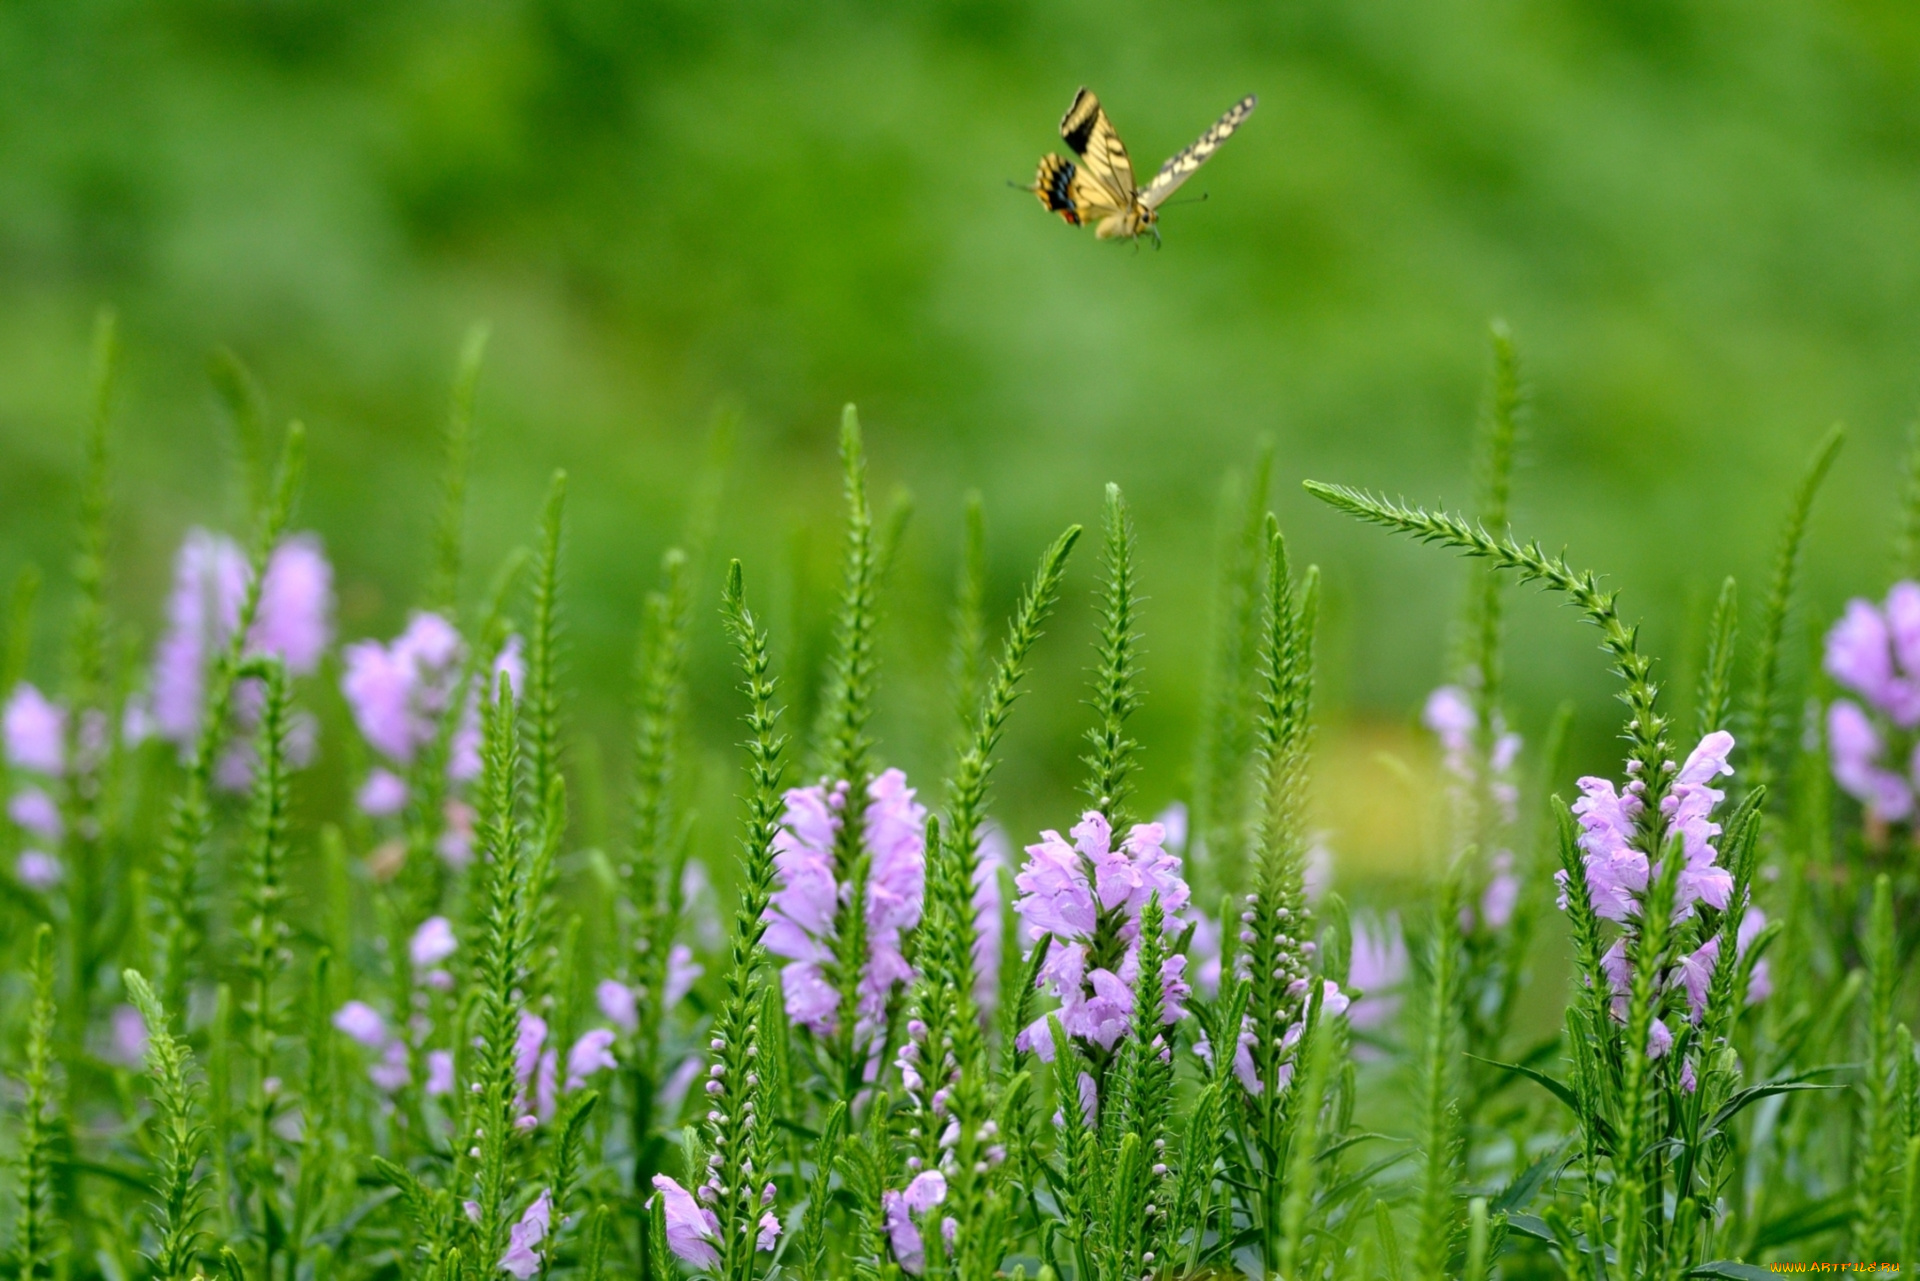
[(1087, 130), (1181, 167), (1066, 189)]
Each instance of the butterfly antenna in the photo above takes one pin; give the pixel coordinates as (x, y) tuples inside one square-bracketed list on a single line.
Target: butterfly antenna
[(1191, 200)]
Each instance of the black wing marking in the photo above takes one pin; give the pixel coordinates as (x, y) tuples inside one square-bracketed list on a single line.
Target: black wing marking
[(1181, 167), (1054, 185), (1089, 131)]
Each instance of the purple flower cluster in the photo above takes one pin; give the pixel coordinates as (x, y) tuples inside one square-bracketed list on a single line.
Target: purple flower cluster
[(1450, 714), (988, 923), (1377, 970), (1875, 653), (293, 622), (801, 915), (522, 1259), (535, 1065), (399, 693), (1616, 871), (1069, 892), (693, 1231), (906, 1211), (36, 744), (1694, 973)]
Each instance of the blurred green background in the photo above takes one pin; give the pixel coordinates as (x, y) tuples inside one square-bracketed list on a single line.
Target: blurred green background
[(1699, 217)]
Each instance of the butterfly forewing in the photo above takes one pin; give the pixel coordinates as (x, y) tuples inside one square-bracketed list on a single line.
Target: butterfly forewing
[(1086, 129), (1182, 165)]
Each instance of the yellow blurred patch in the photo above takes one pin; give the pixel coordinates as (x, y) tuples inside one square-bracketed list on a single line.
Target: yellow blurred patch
[(1376, 792)]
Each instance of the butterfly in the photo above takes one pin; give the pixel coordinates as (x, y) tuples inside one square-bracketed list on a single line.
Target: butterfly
[(1100, 189)]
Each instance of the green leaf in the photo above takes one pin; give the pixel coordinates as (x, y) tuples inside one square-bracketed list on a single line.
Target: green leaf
[(1531, 1225), (1519, 1192), (1754, 1093), (1559, 1089), (1729, 1268)]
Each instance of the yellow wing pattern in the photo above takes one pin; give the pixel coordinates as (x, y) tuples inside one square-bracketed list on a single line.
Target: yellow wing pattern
[(1087, 130), (1181, 167)]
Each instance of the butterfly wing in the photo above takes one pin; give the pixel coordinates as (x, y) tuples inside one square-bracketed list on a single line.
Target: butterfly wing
[(1105, 162), (1181, 167), (1070, 191)]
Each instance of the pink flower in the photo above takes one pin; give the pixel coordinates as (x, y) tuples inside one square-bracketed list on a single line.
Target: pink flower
[(1687, 806), (390, 1072), (531, 1035), (691, 1228), (1616, 872), (1067, 890), (682, 972), (1862, 646), (362, 1023), (38, 870), (398, 692), (1854, 749), (384, 792), (292, 620), (591, 1053), (618, 1003), (1378, 969), (432, 943), (988, 924), (209, 580), (803, 909), (1502, 894), (439, 1073), (1450, 715), (769, 1232), (127, 1035), (1205, 949), (36, 731), (1659, 1039), (522, 1260), (926, 1191), (34, 811)]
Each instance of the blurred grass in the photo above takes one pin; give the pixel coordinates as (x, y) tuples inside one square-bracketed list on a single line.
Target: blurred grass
[(1699, 217)]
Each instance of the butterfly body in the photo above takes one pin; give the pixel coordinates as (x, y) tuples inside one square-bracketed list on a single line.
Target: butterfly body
[(1100, 189)]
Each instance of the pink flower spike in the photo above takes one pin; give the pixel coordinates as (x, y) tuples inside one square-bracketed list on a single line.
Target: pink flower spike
[(391, 1072), (618, 1004), (521, 1259), (590, 1054), (127, 1035), (439, 1073), (682, 973), (38, 870), (909, 1251), (527, 1044), (384, 792), (926, 1191), (432, 943), (32, 810), (362, 1023), (691, 1228), (36, 731)]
